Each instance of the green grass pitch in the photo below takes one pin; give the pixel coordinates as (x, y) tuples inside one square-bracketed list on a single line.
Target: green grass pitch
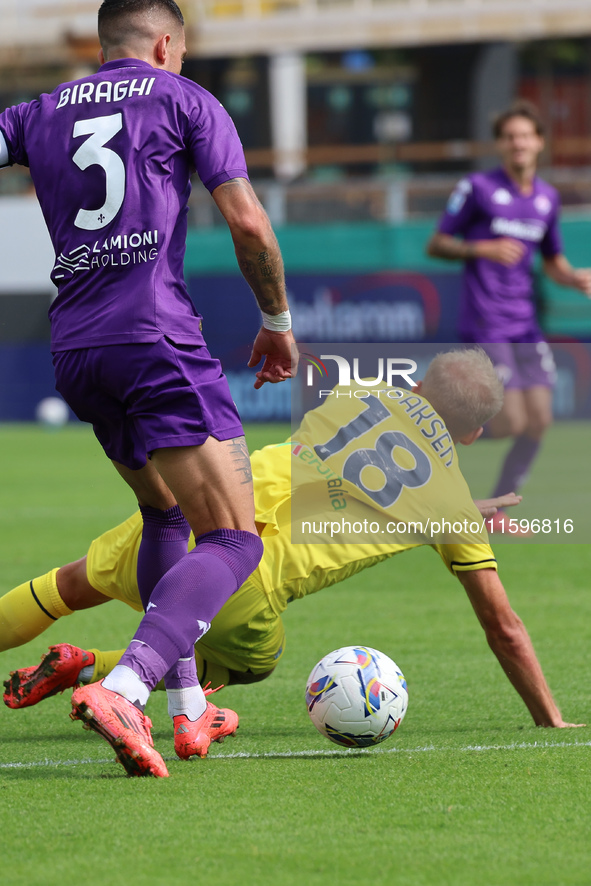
[(467, 791)]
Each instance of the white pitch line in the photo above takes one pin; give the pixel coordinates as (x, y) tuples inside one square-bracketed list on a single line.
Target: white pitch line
[(346, 752), (337, 752), (42, 763)]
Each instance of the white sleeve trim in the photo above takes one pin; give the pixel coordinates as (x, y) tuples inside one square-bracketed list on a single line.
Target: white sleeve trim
[(4, 155)]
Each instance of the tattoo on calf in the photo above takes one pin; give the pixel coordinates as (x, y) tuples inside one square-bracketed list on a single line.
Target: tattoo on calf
[(241, 459)]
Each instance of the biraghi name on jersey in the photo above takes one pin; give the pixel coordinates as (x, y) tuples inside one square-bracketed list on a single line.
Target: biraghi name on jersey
[(104, 91)]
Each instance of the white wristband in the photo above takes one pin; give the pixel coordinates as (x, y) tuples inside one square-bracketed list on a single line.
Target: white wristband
[(277, 322), (4, 155)]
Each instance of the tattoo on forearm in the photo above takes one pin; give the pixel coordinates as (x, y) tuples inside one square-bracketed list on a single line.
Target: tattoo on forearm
[(265, 266), (258, 254), (241, 459), (263, 272), (247, 267)]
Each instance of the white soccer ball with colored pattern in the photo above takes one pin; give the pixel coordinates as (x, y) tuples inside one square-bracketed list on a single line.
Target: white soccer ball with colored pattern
[(356, 696)]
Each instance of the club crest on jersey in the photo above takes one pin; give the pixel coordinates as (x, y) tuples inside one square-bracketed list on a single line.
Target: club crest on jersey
[(502, 197), (543, 204)]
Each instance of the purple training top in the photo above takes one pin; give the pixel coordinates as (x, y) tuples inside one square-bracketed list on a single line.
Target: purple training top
[(497, 302), (110, 156)]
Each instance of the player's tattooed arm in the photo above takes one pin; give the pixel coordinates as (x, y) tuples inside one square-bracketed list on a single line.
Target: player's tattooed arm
[(257, 250), (263, 271), (260, 261)]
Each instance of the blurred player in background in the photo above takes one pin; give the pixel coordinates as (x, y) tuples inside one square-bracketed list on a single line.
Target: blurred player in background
[(111, 157), (495, 222), (247, 639)]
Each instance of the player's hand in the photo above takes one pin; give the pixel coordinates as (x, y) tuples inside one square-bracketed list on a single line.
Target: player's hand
[(582, 280), (503, 250), (280, 353), (488, 507)]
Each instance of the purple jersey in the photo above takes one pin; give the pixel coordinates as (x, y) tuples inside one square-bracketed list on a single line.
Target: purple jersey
[(497, 302), (110, 156)]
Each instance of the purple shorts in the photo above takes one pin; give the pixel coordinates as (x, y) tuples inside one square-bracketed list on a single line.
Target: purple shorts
[(146, 396), (522, 365)]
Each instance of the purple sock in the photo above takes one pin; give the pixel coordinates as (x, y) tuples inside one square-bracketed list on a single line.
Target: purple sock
[(517, 465), (186, 599), (183, 673), (165, 537)]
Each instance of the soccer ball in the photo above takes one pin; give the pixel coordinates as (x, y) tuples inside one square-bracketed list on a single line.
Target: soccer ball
[(356, 696), (53, 412)]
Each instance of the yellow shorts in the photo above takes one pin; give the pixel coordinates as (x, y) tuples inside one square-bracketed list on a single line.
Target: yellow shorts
[(246, 635)]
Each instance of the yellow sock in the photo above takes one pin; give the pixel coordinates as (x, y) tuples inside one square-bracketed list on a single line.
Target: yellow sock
[(27, 611), (104, 662)]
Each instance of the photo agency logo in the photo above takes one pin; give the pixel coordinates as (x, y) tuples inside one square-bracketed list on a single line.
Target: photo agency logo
[(389, 371)]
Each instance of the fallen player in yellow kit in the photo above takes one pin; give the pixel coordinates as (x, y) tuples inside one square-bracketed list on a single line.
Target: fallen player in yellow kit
[(246, 639)]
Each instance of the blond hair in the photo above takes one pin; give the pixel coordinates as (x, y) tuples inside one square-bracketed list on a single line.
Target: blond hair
[(463, 387)]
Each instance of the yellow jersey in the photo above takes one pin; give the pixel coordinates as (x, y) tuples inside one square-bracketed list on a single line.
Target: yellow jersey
[(387, 464)]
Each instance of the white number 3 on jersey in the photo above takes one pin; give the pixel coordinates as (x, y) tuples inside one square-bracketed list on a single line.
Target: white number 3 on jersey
[(94, 153)]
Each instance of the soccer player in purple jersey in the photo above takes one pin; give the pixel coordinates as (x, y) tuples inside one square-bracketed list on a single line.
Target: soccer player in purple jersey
[(111, 156), (495, 222)]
